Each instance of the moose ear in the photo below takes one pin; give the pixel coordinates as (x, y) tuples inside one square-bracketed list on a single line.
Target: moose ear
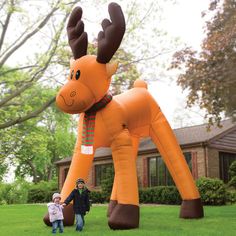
[(72, 62), (111, 68)]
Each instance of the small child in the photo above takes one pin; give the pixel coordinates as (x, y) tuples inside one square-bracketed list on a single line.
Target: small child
[(81, 204), (55, 213)]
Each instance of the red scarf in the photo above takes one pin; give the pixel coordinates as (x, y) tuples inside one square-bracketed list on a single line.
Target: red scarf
[(89, 124)]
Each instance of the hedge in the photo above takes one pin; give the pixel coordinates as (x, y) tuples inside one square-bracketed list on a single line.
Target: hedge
[(23, 192), (160, 195), (42, 192), (14, 193), (97, 197), (212, 191)]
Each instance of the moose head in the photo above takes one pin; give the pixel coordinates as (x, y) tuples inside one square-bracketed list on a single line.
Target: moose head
[(90, 76)]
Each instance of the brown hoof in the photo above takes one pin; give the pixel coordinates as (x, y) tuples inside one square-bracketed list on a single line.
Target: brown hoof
[(124, 216), (46, 220), (111, 206), (69, 216), (191, 209)]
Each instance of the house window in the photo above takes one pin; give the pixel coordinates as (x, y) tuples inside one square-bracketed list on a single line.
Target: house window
[(226, 160), (159, 174), (101, 172), (188, 158)]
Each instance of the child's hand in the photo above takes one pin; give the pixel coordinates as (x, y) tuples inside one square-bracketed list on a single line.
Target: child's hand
[(63, 204)]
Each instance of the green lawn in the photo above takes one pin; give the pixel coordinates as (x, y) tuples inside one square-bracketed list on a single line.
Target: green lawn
[(26, 220)]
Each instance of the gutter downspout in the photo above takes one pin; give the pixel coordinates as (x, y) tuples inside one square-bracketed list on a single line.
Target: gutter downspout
[(205, 158)]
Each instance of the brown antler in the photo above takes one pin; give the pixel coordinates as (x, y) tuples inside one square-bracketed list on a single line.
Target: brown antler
[(78, 39), (110, 38)]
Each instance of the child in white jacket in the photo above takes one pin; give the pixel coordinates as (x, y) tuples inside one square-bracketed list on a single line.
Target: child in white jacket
[(55, 213)]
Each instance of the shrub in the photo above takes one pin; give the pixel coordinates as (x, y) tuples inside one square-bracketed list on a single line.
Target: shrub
[(42, 191), (232, 183), (97, 197), (4, 189), (232, 169), (232, 174), (145, 196), (107, 183), (14, 193), (160, 195), (169, 195), (23, 192), (212, 191), (231, 196)]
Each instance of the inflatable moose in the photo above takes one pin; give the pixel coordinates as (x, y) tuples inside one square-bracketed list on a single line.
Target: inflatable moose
[(117, 122)]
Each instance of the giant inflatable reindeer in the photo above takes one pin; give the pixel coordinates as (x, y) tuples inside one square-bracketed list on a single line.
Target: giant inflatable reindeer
[(117, 122)]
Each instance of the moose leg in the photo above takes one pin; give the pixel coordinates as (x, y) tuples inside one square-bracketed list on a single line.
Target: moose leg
[(162, 135), (79, 168), (125, 214), (113, 200)]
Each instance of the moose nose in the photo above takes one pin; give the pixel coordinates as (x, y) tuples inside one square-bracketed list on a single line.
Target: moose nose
[(72, 94)]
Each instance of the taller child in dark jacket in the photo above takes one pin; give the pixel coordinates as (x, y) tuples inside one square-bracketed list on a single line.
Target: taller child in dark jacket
[(81, 205)]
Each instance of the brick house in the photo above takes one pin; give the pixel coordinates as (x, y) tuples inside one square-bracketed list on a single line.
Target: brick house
[(208, 153)]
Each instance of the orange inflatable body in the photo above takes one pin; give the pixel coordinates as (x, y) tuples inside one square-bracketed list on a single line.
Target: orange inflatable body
[(118, 123)]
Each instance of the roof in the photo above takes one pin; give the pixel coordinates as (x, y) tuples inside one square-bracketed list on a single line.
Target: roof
[(193, 134), (185, 136), (63, 161)]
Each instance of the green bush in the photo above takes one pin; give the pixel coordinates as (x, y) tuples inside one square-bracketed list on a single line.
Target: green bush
[(232, 182), (107, 183), (42, 191), (232, 174), (97, 197), (14, 193), (231, 196), (160, 195), (145, 196), (23, 192), (232, 169), (170, 195), (212, 191), (4, 189)]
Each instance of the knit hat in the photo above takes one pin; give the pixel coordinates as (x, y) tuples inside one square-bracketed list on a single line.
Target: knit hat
[(79, 181), (55, 195)]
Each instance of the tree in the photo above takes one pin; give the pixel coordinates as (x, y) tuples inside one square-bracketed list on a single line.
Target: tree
[(42, 144), (209, 76), (21, 106), (3, 168), (184, 117), (33, 147), (44, 33), (16, 17)]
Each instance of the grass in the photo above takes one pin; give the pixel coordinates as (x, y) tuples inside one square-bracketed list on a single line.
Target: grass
[(26, 220)]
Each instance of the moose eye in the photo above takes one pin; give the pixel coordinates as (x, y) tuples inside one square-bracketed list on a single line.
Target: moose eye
[(77, 75), (72, 74)]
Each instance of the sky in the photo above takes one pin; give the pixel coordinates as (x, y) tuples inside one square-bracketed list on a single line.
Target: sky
[(183, 20)]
